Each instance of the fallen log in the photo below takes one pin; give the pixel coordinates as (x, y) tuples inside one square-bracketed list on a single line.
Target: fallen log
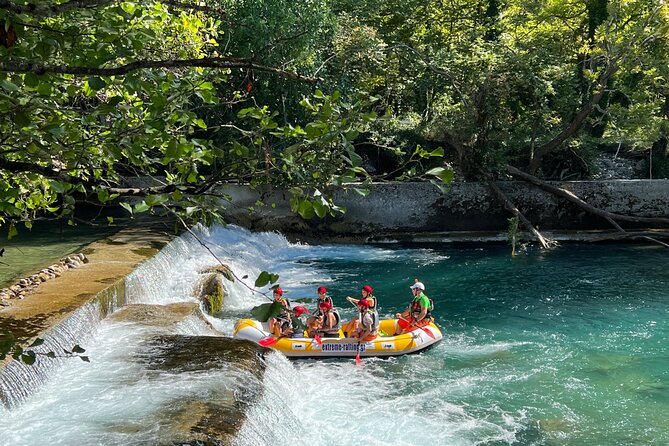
[(508, 205), (611, 217), (578, 201)]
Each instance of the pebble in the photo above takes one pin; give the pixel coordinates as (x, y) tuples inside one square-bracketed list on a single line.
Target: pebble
[(28, 284)]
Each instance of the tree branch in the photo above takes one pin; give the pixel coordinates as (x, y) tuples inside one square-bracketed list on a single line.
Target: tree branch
[(576, 123), (52, 10), (205, 62), (508, 205), (574, 199)]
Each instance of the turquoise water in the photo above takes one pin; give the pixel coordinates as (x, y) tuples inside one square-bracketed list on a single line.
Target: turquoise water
[(567, 346)]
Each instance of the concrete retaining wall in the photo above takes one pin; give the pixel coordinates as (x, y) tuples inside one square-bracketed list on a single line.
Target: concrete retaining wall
[(400, 208)]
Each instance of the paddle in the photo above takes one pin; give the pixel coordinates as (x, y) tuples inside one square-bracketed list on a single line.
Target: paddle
[(357, 357), (268, 341), (403, 323)]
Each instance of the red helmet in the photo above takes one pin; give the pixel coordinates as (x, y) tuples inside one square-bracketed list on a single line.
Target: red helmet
[(368, 289), (363, 303), (322, 289), (278, 291), (298, 310), (325, 304)]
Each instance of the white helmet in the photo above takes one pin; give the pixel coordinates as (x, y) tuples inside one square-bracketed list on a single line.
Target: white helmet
[(418, 285)]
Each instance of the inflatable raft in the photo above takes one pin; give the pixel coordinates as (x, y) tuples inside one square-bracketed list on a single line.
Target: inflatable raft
[(303, 347)]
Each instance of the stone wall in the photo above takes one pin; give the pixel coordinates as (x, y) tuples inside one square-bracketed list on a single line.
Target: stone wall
[(400, 208)]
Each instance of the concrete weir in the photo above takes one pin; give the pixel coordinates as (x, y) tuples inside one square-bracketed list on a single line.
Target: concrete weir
[(66, 310), (62, 311)]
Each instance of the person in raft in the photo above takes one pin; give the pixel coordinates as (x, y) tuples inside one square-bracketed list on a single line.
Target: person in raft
[(366, 329), (419, 313), (368, 295), (281, 324), (328, 322), (322, 297), (298, 322)]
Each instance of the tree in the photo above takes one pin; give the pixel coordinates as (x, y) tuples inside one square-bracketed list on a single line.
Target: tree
[(96, 92)]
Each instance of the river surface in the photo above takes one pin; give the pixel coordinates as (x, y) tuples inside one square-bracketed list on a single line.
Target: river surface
[(561, 347)]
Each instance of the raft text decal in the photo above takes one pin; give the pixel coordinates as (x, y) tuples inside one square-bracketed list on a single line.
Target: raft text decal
[(348, 347)]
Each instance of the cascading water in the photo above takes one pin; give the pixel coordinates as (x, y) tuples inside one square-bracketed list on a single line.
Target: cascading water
[(562, 347)]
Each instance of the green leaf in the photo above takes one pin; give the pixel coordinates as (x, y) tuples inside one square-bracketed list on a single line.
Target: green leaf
[(141, 207), (320, 209), (445, 175), (21, 119), (306, 209), (96, 83), (37, 342), (127, 207), (262, 280), (13, 232), (361, 191), (264, 312), (297, 323), (44, 88), (31, 80), (103, 195), (28, 359), (9, 86)]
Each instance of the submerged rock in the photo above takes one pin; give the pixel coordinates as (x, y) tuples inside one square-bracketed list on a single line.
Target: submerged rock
[(192, 353), (216, 418), (162, 315)]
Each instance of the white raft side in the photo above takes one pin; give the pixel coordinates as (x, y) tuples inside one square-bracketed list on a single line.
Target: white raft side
[(250, 329), (343, 347)]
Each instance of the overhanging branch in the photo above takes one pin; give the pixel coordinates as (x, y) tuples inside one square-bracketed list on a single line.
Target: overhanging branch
[(51, 10), (205, 62)]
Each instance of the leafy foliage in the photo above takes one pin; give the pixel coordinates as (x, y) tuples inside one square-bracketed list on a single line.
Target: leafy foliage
[(11, 347)]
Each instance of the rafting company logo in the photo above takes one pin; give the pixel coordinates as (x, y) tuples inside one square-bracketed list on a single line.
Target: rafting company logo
[(348, 347), (299, 346)]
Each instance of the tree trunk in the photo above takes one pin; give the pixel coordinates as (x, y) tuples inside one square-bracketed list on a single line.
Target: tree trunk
[(610, 216), (576, 123), (508, 205)]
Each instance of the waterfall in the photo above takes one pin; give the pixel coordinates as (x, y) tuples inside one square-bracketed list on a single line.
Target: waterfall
[(18, 380)]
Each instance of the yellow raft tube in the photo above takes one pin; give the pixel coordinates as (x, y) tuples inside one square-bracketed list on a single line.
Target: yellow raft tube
[(303, 347)]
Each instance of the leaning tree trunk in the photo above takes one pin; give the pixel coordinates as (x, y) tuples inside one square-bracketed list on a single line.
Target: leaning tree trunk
[(611, 217), (508, 205)]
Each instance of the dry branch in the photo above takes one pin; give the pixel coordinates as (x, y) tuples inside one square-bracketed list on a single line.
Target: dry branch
[(578, 201), (205, 62), (508, 205)]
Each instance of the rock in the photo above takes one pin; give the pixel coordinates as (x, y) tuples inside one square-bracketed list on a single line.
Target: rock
[(72, 262), (25, 283), (165, 316), (218, 269), (16, 288), (218, 419), (4, 302), (82, 257), (43, 276), (36, 279), (210, 290)]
